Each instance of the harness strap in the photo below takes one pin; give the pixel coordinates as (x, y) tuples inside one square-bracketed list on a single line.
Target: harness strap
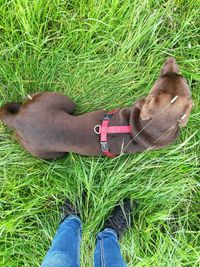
[(105, 129)]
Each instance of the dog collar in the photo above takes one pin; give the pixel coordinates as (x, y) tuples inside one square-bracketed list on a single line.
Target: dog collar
[(104, 129)]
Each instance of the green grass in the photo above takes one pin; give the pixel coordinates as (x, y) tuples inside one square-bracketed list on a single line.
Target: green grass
[(103, 54)]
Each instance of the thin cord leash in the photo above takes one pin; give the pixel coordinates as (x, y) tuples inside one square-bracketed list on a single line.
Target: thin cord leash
[(150, 147), (183, 117), (160, 137), (171, 102)]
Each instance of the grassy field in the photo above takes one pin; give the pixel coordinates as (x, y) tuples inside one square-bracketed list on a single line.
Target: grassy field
[(104, 53)]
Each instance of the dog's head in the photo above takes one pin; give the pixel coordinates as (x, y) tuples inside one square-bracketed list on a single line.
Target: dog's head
[(170, 97)]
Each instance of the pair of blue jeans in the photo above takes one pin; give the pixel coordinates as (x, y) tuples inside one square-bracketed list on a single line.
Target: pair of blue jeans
[(65, 248)]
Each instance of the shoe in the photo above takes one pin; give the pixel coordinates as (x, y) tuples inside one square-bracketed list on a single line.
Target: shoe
[(120, 219), (68, 209), (71, 209)]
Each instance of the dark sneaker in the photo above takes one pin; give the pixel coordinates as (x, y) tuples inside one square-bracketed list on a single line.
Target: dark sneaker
[(71, 209), (68, 209), (120, 219)]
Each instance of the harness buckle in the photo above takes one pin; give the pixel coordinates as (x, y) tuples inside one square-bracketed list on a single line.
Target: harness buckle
[(104, 145), (108, 116)]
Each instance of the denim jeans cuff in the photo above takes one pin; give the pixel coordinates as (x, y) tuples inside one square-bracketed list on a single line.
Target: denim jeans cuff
[(70, 217), (110, 230)]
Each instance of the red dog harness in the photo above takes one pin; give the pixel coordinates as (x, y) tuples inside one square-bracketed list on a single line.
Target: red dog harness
[(105, 129)]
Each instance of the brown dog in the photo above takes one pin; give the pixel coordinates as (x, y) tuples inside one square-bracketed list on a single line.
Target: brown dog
[(45, 127)]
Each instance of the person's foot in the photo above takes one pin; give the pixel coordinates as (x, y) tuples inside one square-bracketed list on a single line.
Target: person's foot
[(120, 219), (68, 209)]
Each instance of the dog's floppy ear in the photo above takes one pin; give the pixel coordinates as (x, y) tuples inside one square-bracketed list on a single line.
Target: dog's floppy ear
[(148, 109), (185, 117)]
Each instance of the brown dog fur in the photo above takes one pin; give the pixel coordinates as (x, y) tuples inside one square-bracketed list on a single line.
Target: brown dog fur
[(45, 127)]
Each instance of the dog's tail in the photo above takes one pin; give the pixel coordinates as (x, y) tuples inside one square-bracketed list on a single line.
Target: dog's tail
[(8, 113)]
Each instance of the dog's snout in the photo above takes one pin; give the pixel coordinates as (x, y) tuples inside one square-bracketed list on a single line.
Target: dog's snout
[(170, 66), (171, 60)]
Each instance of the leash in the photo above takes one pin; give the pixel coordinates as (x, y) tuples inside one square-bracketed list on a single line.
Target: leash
[(104, 129)]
